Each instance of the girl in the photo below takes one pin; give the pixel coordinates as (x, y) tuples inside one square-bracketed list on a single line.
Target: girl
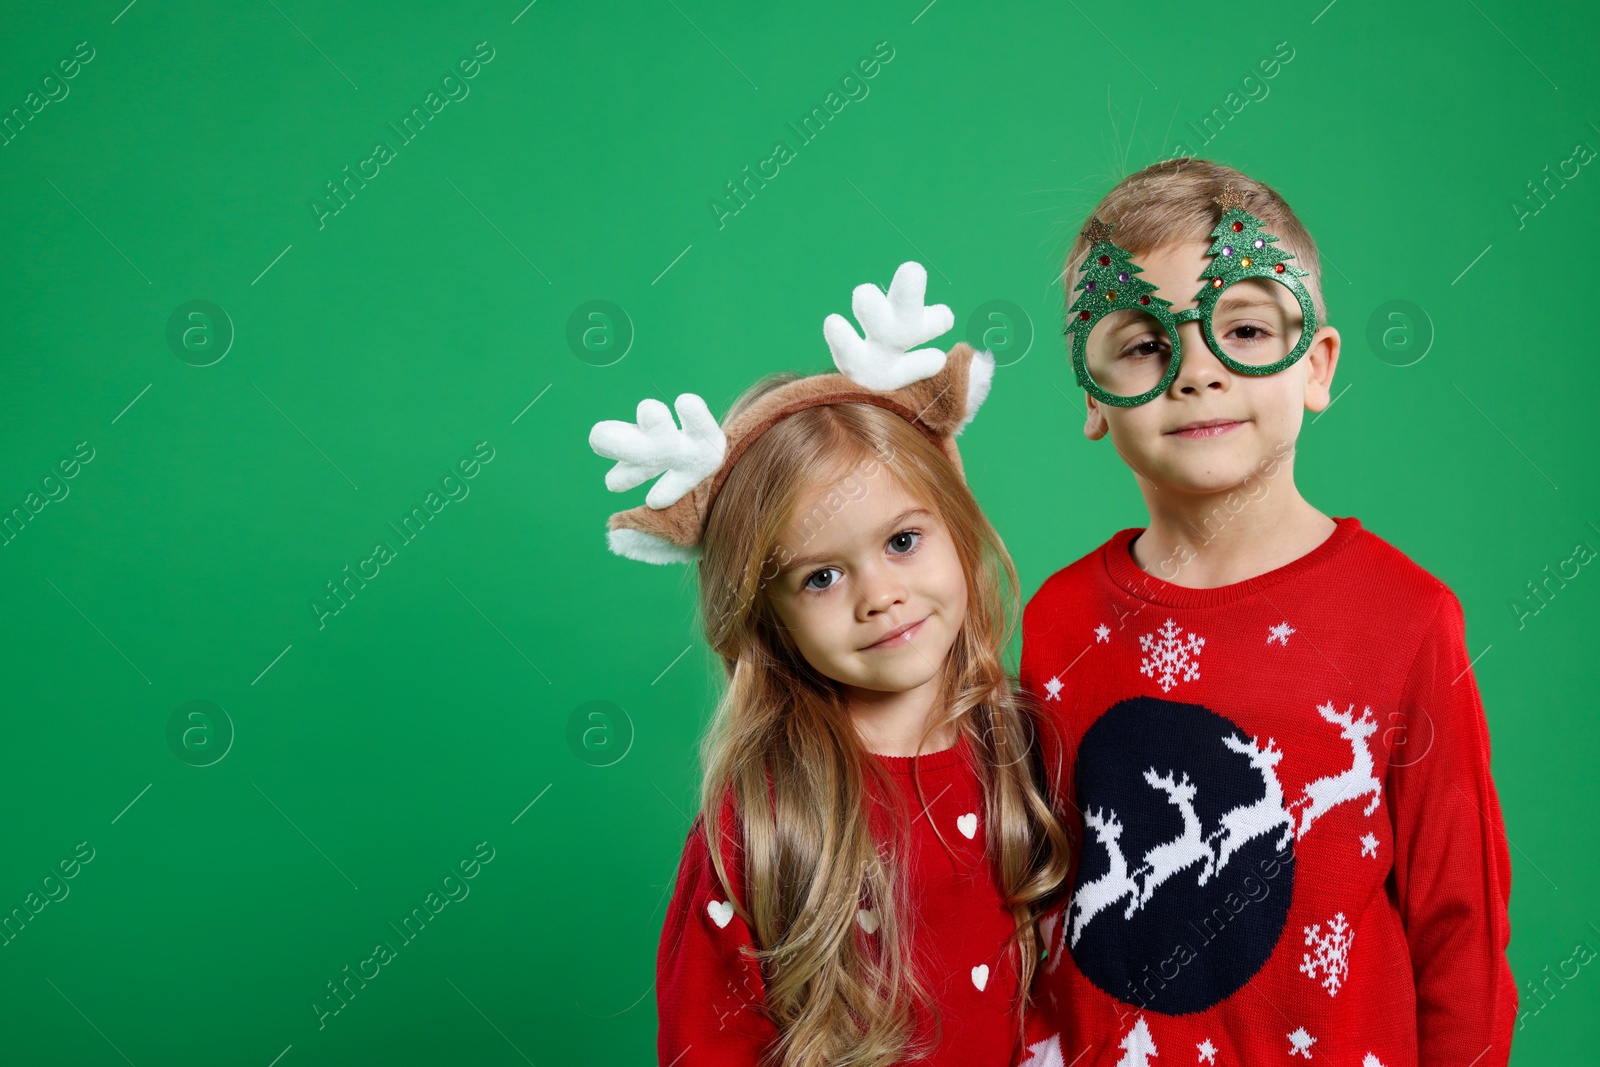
[(884, 835)]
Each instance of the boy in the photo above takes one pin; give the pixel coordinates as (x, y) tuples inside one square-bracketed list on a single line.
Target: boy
[(1277, 764)]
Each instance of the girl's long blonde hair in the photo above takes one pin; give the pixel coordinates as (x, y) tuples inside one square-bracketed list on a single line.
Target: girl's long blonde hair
[(782, 749)]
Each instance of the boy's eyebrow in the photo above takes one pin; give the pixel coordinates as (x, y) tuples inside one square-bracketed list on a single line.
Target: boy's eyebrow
[(1122, 318), (883, 531), (1125, 319), (1251, 292), (1251, 301)]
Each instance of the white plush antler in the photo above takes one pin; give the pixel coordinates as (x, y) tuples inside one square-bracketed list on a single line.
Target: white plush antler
[(657, 446), (894, 323)]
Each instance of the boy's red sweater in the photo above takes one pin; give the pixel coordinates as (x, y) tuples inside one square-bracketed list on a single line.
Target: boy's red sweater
[(709, 991), (1291, 846)]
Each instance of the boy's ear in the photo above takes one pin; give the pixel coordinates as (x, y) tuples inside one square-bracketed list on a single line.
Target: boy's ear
[(1321, 359), (1094, 422)]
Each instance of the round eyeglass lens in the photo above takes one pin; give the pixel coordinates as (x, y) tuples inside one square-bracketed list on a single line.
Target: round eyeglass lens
[(1257, 321), (1127, 352)]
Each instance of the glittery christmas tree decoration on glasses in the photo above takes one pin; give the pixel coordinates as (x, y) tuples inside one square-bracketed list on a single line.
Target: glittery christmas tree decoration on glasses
[(1252, 309)]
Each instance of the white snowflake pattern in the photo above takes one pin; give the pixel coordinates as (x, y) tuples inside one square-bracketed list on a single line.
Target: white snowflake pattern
[(1053, 688), (1102, 633), (1168, 659), (1280, 633), (1208, 1051), (1330, 952), (1300, 1043), (1369, 845)]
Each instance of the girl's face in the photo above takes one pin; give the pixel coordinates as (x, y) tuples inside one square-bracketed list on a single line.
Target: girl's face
[(860, 560)]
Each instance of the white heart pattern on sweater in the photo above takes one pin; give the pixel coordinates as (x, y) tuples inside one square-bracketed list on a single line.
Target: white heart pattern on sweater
[(721, 912), (868, 918), (968, 824), (980, 976)]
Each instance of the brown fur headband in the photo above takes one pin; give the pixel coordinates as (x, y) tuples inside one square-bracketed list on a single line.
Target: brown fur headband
[(938, 392)]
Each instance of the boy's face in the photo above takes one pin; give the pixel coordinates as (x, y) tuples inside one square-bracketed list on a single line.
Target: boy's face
[(1254, 418)]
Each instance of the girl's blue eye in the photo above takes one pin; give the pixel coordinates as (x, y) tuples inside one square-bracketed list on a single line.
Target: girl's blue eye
[(907, 533), (814, 574), (901, 544)]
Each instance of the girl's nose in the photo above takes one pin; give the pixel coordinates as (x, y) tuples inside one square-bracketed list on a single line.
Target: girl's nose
[(880, 590)]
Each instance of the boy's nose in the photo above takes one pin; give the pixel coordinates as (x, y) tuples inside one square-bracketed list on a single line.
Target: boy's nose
[(1200, 366)]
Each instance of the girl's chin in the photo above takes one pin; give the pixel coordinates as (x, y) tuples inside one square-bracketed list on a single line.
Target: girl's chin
[(891, 679)]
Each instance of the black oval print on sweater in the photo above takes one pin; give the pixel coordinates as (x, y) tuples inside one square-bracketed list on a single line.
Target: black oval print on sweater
[(1188, 859)]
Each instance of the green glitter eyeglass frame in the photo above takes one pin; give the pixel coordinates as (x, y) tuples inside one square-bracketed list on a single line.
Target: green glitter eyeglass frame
[(1113, 267)]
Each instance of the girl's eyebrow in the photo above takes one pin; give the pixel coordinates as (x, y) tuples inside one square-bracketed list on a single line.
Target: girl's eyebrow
[(889, 527), (884, 531)]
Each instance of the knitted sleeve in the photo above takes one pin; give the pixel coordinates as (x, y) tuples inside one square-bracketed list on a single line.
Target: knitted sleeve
[(1451, 867), (709, 988)]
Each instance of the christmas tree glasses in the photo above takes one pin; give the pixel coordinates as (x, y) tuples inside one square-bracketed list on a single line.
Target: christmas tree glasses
[(1255, 313)]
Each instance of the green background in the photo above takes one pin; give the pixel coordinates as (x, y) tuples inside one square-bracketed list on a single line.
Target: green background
[(352, 765)]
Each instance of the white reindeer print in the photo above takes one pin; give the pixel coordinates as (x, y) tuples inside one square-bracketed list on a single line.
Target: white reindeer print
[(1247, 822), (1188, 848), (1325, 793), (1096, 896)]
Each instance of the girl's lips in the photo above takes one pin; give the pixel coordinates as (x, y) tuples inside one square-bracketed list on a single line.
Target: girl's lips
[(1207, 431), (901, 638)]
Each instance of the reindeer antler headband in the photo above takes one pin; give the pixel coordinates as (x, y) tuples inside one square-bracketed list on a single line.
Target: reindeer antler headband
[(935, 391)]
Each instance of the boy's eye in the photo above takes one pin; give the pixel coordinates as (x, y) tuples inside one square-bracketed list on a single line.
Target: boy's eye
[(1145, 349), (1250, 332)]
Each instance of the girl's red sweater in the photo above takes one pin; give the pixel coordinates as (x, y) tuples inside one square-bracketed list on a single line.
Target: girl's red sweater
[(710, 994)]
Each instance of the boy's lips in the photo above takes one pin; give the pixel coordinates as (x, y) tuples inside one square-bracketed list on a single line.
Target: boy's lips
[(1206, 428)]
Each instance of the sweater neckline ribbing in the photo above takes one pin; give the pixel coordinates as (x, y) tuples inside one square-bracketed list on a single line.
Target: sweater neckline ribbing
[(928, 761), (1124, 570)]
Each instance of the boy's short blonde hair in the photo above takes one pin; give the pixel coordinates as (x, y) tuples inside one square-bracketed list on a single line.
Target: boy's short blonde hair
[(1171, 201)]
